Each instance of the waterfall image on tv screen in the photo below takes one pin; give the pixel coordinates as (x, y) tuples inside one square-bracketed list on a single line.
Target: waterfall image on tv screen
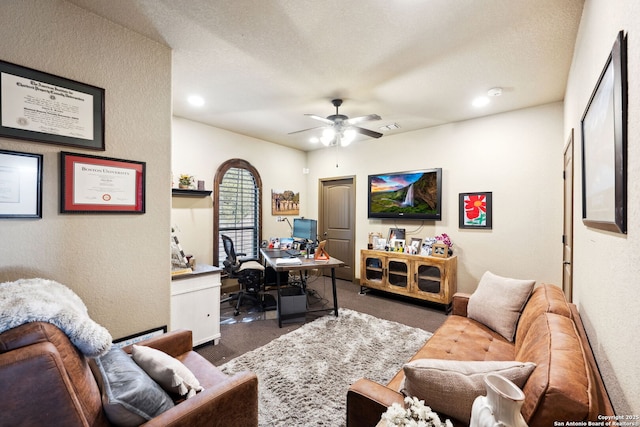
[(410, 195)]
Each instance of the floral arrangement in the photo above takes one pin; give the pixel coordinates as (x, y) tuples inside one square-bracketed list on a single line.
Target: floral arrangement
[(444, 238), (415, 414), (185, 179)]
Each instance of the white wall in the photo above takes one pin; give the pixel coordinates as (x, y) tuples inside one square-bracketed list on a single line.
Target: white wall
[(517, 156), (607, 265), (199, 150), (118, 264)]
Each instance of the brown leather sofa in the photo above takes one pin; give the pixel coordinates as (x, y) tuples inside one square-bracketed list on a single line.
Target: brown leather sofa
[(45, 381), (564, 386)]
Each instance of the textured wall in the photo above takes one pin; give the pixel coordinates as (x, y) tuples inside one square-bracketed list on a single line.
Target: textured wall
[(607, 265), (517, 156), (118, 264), (199, 150)]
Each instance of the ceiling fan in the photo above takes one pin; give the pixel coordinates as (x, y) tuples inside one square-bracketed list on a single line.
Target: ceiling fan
[(340, 129)]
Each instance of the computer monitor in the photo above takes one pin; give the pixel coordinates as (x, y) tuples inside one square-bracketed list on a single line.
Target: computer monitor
[(305, 229)]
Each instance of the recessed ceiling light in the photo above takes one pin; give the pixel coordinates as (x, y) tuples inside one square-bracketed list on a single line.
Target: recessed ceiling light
[(480, 101), (196, 100)]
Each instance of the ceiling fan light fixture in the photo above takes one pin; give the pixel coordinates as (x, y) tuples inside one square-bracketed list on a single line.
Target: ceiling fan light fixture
[(348, 136), (328, 136)]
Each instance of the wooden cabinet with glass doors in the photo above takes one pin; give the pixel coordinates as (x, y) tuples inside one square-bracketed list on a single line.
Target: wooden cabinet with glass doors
[(423, 277)]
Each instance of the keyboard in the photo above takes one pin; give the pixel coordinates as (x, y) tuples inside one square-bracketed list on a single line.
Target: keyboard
[(288, 261)]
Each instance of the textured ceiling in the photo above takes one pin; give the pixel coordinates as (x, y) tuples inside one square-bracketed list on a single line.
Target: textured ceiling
[(262, 64)]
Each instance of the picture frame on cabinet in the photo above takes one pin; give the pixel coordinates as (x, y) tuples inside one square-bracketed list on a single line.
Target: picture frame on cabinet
[(20, 185), (416, 242), (396, 233), (440, 250)]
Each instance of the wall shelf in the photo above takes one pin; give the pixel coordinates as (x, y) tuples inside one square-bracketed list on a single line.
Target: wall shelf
[(190, 193)]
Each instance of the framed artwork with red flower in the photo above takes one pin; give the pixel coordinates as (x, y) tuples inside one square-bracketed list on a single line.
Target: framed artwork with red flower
[(475, 210)]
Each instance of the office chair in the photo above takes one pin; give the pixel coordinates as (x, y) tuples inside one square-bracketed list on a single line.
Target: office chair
[(248, 271)]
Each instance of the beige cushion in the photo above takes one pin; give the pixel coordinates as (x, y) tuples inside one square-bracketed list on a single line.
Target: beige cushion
[(167, 371), (498, 302), (449, 387)]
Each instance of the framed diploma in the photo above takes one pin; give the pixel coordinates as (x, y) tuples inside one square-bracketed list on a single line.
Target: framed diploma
[(92, 184), (20, 185), (42, 107)]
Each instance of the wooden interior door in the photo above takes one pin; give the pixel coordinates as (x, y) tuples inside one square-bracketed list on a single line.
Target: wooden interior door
[(567, 233), (336, 222)]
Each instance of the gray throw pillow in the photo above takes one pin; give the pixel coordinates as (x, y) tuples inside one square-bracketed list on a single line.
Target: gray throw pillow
[(129, 396), (498, 302), (449, 387)]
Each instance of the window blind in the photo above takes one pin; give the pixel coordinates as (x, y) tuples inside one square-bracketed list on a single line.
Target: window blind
[(239, 204)]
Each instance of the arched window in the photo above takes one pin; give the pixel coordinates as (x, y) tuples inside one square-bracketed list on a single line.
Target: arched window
[(237, 210)]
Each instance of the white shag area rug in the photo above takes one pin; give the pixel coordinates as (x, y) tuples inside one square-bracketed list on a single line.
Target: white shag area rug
[(42, 300), (304, 375)]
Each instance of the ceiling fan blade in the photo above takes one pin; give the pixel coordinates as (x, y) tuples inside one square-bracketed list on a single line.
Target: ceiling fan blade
[(305, 130), (322, 119), (357, 120), (371, 133)]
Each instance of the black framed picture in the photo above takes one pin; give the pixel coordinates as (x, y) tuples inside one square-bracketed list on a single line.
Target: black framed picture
[(20, 185), (604, 146), (42, 107), (475, 210)]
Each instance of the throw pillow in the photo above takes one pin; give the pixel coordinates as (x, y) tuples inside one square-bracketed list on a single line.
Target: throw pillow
[(498, 303), (168, 371), (449, 387), (129, 396)]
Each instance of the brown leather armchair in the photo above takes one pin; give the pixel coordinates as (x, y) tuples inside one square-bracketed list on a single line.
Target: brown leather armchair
[(47, 381)]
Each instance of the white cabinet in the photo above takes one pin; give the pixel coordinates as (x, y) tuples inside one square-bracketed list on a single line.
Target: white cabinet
[(195, 303)]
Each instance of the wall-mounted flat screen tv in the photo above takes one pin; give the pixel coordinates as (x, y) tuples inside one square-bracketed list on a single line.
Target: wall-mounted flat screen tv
[(406, 195)]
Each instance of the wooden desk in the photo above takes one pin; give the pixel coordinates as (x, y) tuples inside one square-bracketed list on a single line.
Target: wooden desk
[(271, 255)]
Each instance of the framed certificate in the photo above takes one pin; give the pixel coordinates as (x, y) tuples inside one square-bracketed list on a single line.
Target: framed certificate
[(42, 107), (92, 184), (20, 185)]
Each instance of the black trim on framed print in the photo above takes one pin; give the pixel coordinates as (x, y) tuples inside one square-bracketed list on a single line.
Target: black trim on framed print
[(604, 146), (42, 107), (20, 185), (475, 210)]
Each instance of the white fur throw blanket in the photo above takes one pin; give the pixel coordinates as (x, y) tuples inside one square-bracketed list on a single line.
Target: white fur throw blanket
[(41, 300)]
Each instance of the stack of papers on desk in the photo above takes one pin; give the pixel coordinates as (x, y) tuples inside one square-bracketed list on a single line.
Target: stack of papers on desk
[(288, 261)]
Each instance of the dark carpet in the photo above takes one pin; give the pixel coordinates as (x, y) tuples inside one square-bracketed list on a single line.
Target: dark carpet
[(250, 330)]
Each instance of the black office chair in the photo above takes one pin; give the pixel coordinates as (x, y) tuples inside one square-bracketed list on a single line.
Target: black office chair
[(249, 273)]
